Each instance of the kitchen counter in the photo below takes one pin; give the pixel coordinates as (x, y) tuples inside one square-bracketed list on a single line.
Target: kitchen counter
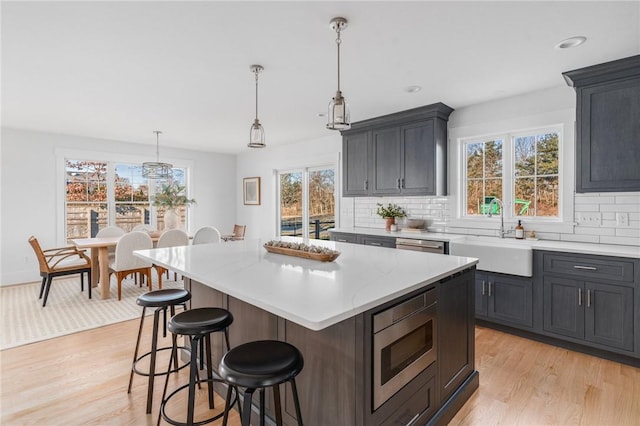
[(560, 246), (312, 294), (327, 311)]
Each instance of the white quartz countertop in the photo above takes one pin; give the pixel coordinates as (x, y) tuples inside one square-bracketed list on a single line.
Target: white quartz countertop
[(310, 293), (559, 246)]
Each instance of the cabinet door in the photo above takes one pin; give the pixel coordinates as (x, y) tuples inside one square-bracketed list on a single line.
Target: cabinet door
[(355, 164), (344, 237), (511, 299), (369, 240), (386, 161), (609, 315), (418, 159), (481, 295), (608, 135), (563, 307)]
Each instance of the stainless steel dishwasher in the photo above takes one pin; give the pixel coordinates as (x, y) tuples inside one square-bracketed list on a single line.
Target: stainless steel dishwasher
[(428, 246)]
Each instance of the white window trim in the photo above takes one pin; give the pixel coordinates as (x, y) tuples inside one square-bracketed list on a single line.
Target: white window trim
[(305, 195), (562, 224), (61, 155)]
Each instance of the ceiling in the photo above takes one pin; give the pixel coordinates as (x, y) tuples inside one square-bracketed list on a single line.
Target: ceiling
[(119, 70)]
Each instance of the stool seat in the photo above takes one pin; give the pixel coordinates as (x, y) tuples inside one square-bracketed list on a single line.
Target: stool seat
[(164, 297), (262, 363), (201, 321)]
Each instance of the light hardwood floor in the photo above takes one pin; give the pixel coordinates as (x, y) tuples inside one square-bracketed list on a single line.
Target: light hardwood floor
[(82, 379)]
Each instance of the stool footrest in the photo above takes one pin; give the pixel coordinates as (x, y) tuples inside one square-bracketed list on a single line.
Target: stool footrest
[(162, 373), (201, 422)]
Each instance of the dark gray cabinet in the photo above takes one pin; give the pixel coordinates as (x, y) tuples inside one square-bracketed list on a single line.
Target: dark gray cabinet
[(356, 162), (344, 237), (402, 153), (370, 240), (505, 299), (607, 126), (592, 299)]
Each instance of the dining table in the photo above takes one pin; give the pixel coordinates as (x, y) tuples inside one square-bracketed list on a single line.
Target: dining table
[(99, 247)]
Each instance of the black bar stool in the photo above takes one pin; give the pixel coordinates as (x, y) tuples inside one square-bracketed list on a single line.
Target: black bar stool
[(161, 300), (257, 365), (197, 325)]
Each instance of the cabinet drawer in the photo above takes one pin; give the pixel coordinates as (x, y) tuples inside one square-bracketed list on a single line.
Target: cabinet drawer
[(421, 405), (589, 267), (344, 237), (377, 241)]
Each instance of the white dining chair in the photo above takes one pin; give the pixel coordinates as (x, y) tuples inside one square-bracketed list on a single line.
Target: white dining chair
[(143, 227), (110, 231), (206, 235), (125, 263), (170, 238)]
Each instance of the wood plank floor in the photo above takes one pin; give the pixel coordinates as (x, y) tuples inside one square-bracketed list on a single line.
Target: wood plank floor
[(82, 379)]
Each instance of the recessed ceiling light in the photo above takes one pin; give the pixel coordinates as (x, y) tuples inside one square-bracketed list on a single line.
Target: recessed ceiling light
[(571, 42), (321, 114), (412, 89)]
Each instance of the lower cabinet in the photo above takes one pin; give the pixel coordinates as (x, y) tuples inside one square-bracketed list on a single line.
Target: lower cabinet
[(506, 299), (369, 240), (595, 312)]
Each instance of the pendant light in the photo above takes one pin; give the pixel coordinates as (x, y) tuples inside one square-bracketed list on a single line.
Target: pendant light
[(256, 135), (339, 116), (155, 169)]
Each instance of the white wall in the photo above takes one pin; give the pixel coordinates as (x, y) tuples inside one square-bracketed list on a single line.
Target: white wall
[(31, 190), (261, 220)]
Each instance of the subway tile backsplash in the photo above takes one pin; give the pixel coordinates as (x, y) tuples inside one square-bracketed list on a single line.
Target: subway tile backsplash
[(613, 218)]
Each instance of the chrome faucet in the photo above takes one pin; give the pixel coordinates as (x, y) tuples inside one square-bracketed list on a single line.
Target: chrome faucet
[(502, 231)]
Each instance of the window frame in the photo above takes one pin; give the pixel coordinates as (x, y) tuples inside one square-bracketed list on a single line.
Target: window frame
[(305, 197), (508, 176), (111, 158)]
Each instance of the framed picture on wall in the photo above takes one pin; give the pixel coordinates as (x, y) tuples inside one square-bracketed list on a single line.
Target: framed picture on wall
[(251, 191)]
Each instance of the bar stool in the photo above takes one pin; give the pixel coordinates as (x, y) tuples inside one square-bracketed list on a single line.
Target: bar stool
[(197, 325), (161, 300), (257, 365)]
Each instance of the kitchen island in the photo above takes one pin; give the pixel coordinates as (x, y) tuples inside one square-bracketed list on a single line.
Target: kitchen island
[(327, 310)]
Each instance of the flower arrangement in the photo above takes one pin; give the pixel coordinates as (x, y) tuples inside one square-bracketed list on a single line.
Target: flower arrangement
[(390, 211), (171, 196)]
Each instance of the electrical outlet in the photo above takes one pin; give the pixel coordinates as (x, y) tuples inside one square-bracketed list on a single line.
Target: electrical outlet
[(622, 219), (590, 218)]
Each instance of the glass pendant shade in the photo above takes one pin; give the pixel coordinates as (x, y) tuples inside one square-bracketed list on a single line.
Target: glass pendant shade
[(339, 116), (155, 169), (256, 136)]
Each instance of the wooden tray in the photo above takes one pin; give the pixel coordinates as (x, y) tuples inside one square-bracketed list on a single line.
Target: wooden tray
[(322, 257)]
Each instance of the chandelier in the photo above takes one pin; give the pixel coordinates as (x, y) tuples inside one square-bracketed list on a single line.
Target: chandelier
[(155, 169)]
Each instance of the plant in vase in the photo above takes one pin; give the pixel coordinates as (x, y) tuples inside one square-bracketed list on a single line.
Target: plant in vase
[(389, 213), (170, 197)]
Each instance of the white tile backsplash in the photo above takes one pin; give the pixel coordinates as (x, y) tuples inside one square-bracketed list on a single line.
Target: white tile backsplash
[(437, 212)]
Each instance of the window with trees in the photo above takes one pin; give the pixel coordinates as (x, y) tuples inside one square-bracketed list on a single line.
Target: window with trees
[(521, 169), (101, 194), (307, 202)]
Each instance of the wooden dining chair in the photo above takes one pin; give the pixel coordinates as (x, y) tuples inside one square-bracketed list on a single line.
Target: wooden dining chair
[(125, 263), (60, 261), (238, 233), (170, 238), (206, 235)]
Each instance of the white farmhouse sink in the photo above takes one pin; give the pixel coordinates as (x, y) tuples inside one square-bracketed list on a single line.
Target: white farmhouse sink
[(508, 255)]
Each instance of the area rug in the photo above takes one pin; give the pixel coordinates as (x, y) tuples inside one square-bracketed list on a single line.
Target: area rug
[(68, 310)]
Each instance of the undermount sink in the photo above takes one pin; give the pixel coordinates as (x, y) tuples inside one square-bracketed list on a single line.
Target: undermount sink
[(507, 256)]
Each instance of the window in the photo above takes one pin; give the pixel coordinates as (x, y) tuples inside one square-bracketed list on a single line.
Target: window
[(521, 169), (307, 202), (101, 194)]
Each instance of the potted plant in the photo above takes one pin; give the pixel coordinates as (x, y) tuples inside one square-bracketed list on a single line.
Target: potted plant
[(390, 212), (171, 196)]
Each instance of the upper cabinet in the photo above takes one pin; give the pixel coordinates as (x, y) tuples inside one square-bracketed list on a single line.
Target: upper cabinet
[(402, 153), (607, 126)]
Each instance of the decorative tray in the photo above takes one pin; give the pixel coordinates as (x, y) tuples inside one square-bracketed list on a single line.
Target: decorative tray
[(322, 257)]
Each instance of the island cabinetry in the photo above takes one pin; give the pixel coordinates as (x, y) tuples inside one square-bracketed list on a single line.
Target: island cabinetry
[(401, 153), (607, 125), (505, 299), (337, 384), (592, 300)]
